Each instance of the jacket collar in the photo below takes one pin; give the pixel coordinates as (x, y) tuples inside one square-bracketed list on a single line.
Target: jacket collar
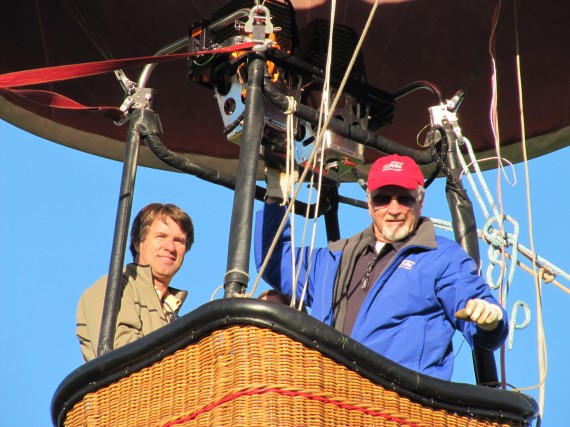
[(423, 235), (144, 274)]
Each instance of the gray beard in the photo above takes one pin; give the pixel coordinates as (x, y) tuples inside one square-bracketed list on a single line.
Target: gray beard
[(396, 235)]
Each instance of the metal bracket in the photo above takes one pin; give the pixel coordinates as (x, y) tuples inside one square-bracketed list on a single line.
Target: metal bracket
[(259, 26), (441, 115), (141, 98), (129, 87)]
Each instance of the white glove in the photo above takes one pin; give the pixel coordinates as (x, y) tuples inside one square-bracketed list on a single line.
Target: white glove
[(279, 184), (485, 314)]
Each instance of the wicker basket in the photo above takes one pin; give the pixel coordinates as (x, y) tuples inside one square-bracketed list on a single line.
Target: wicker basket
[(251, 376)]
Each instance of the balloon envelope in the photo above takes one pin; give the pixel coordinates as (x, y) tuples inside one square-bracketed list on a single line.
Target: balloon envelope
[(447, 43)]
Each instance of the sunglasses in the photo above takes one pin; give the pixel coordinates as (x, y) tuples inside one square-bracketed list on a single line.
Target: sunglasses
[(406, 201)]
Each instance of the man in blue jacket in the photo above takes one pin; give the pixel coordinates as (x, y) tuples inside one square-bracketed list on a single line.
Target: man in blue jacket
[(394, 287)]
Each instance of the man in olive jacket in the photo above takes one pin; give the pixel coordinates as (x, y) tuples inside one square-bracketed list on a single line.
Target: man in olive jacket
[(160, 237)]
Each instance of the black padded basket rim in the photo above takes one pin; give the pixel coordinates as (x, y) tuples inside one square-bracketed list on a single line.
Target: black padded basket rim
[(470, 400)]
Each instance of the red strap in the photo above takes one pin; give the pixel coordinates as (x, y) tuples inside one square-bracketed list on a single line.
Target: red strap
[(55, 100), (68, 72)]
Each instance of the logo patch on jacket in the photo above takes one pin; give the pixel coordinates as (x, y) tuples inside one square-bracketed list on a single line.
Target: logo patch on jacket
[(407, 264)]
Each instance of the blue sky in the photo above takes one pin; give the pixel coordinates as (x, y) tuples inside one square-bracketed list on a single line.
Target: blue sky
[(58, 212)]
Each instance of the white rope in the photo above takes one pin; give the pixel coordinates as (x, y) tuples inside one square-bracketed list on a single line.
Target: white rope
[(318, 143), (291, 106), (319, 146), (541, 337), (290, 169), (314, 228), (541, 262), (218, 289), (322, 130)]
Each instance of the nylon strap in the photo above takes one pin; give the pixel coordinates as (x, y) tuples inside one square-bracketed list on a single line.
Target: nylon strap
[(68, 72)]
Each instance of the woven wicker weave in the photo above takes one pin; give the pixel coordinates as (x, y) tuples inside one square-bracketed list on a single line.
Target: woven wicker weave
[(249, 376)]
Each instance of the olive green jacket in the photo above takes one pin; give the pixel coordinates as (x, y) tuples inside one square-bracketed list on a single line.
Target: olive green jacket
[(141, 311)]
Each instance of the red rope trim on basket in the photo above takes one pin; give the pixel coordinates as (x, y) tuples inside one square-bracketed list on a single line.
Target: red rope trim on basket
[(309, 396)]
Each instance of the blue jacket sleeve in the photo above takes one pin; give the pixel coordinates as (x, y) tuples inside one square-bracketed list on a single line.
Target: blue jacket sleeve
[(459, 283), (278, 272)]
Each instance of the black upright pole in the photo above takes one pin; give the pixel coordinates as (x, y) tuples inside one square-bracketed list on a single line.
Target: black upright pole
[(332, 225), (237, 274), (465, 231), (113, 292), (463, 216)]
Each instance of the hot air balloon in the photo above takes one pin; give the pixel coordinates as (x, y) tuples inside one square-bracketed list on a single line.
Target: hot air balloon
[(174, 87)]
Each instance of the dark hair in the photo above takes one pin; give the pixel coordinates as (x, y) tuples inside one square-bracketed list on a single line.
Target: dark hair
[(149, 213)]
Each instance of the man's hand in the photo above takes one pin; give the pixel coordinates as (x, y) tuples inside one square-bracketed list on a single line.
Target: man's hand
[(485, 314), (278, 185)]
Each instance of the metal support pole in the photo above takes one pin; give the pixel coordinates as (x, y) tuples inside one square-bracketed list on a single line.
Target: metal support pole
[(465, 231), (462, 213), (113, 292), (237, 274), (331, 214)]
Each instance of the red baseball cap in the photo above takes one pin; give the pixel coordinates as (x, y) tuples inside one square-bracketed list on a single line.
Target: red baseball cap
[(402, 171)]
